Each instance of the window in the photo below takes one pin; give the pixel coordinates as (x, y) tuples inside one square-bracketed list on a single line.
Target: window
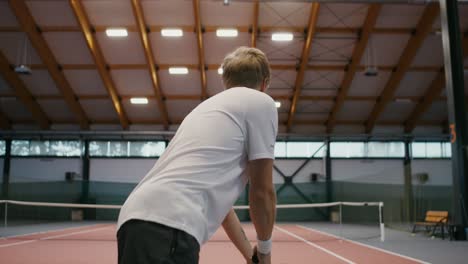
[(126, 148), (61, 148), (2, 147), (305, 149), (431, 150), (280, 149), (367, 149), (347, 149)]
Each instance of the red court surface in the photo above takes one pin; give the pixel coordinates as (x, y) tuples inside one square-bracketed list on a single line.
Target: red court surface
[(96, 244)]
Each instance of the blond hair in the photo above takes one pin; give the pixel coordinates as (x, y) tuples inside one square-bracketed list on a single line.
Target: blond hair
[(246, 67)]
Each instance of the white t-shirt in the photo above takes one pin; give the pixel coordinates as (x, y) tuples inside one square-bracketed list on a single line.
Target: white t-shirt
[(198, 178)]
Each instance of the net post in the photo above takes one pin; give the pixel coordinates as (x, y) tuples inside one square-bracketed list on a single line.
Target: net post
[(6, 214), (381, 222), (341, 219)]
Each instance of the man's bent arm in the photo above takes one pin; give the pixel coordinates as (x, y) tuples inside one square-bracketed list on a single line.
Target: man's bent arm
[(262, 197), (233, 229)]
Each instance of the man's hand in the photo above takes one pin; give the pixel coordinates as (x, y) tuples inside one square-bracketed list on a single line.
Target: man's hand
[(262, 258)]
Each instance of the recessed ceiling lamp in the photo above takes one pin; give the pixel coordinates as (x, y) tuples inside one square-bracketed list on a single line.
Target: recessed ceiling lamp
[(278, 104), (172, 32), (282, 36), (139, 100), (227, 32), (116, 32), (178, 70)]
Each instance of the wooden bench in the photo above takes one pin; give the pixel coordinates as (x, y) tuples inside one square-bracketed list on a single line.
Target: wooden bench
[(433, 220)]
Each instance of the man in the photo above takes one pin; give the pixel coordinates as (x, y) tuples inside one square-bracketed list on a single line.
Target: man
[(224, 142)]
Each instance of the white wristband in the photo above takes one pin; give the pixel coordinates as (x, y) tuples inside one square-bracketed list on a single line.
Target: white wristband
[(264, 246)]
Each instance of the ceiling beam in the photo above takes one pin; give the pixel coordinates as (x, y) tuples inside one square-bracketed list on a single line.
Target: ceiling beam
[(424, 27), (201, 52), (102, 67), (432, 93), (242, 29), (314, 10), (29, 26), (143, 30), (369, 23), (21, 92), (253, 37)]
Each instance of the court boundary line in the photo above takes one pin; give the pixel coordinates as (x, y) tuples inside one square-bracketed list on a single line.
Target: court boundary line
[(314, 245), (49, 231), (365, 245), (52, 237)]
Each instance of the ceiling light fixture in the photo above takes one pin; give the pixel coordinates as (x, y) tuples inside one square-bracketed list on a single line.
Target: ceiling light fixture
[(178, 70), (116, 32), (172, 32), (220, 71), (282, 36), (227, 32), (278, 104), (139, 100)]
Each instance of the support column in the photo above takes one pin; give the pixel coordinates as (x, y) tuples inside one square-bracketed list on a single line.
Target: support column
[(6, 170), (85, 173), (454, 77), (408, 194), (328, 178)]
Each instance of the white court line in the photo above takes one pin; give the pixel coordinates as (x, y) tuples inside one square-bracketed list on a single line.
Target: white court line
[(48, 231), (52, 237), (315, 245), (364, 245)]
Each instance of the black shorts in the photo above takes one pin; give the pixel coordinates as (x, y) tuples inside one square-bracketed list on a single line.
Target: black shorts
[(145, 242)]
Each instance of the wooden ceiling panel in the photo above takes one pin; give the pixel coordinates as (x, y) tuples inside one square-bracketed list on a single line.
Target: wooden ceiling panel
[(168, 13), (42, 10), (283, 117), (415, 83), (320, 118), (396, 111), (86, 82), (387, 49), (308, 129), (148, 112), (321, 80), (399, 16), (217, 48), (363, 85), (178, 109), (437, 112), (7, 18), (132, 82), (314, 107), (99, 109), (40, 82), (342, 15), (319, 92), (14, 109), (13, 44), (110, 13), (4, 87), (235, 14), (284, 14), (282, 79), (187, 84), (348, 129), (430, 53), (121, 50), (352, 110), (214, 82), (288, 53), (69, 47), (331, 50), (181, 50), (56, 110)]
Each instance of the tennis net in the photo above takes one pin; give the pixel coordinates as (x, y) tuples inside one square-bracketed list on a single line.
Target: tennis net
[(97, 221)]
